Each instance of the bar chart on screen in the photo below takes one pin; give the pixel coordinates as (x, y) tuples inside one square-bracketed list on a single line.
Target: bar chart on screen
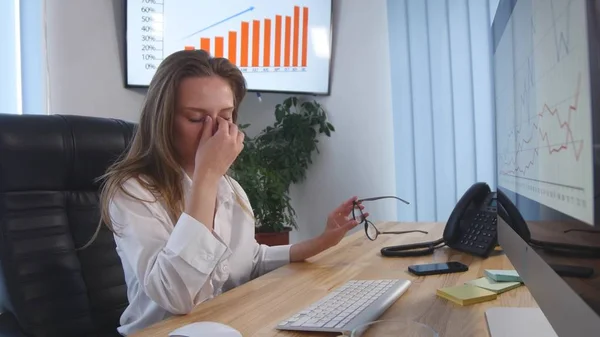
[(273, 44), (279, 46)]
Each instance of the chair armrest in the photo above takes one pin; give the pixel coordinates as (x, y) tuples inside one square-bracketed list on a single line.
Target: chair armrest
[(9, 327)]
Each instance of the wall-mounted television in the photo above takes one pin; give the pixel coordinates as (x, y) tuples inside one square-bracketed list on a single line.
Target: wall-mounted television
[(279, 45)]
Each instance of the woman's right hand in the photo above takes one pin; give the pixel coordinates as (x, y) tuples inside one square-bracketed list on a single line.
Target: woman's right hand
[(216, 153)]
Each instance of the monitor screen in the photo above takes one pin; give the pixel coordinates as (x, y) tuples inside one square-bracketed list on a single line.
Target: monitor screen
[(280, 46), (544, 109), (547, 106)]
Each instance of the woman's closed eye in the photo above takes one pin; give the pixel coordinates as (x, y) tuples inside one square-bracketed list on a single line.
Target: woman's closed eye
[(202, 119), (197, 119), (227, 118)]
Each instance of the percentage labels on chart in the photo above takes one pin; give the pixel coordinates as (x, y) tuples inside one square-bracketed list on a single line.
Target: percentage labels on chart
[(149, 47), (149, 38)]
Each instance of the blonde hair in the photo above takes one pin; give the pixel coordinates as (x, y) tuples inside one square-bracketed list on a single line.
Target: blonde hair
[(244, 203), (151, 157)]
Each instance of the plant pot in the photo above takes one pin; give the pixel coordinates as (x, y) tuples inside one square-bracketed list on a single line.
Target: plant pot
[(273, 239)]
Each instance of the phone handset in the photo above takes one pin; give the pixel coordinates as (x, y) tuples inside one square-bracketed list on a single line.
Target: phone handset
[(511, 215), (474, 195)]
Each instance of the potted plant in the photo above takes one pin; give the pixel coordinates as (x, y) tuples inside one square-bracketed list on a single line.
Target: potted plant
[(274, 160)]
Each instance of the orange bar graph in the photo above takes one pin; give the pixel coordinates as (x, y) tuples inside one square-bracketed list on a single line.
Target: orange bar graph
[(244, 46), (304, 36), (255, 42), (296, 35), (267, 46), (283, 34), (278, 41), (205, 44), (232, 47), (219, 46), (287, 43)]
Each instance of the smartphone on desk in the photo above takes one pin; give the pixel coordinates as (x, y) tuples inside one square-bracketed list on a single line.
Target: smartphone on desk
[(438, 268)]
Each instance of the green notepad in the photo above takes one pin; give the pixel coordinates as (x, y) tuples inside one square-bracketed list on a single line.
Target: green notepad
[(491, 285), (503, 275), (466, 294)]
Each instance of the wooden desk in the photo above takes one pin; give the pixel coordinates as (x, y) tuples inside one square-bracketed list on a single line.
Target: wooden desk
[(257, 306)]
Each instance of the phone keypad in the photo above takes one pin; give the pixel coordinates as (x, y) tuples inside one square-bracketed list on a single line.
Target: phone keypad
[(480, 234)]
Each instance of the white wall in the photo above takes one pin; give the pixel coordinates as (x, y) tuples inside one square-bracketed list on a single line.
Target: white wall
[(85, 59), (86, 71), (9, 62)]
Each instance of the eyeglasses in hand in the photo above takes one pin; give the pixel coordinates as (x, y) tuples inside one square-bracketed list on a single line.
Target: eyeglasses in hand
[(370, 228)]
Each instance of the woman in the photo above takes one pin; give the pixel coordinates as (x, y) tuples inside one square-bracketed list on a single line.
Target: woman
[(184, 229)]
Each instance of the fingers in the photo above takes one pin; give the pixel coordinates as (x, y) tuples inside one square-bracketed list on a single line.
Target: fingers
[(240, 137), (361, 217), (223, 125), (233, 129), (240, 141), (229, 128), (350, 225), (233, 132), (346, 206), (353, 207), (358, 207), (207, 129), (350, 201)]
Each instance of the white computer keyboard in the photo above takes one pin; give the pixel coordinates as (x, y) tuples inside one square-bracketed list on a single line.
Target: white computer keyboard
[(355, 303)]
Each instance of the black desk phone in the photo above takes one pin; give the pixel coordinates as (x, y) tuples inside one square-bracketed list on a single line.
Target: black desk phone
[(472, 225)]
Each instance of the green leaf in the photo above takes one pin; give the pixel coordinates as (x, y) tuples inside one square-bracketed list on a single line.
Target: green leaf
[(278, 157), (279, 113), (287, 103)]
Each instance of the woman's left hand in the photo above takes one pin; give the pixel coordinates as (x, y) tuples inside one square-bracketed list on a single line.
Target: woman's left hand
[(339, 222)]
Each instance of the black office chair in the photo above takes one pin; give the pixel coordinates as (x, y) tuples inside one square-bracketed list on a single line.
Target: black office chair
[(48, 210)]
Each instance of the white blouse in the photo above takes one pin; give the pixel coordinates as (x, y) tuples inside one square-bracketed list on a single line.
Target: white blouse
[(172, 267)]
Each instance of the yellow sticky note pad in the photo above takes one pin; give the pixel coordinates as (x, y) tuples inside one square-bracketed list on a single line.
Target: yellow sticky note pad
[(491, 285), (466, 294)]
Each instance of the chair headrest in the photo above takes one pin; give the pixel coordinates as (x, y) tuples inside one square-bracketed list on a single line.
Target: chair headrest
[(58, 152)]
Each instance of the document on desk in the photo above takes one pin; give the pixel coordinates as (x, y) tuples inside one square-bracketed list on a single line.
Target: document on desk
[(466, 294), (518, 322)]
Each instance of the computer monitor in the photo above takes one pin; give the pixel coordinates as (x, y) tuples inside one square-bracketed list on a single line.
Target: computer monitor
[(546, 63)]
